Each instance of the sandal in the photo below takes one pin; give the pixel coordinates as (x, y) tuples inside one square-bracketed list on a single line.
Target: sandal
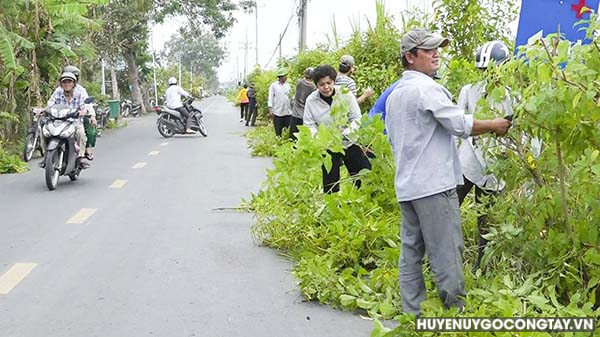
[(89, 156), (84, 165)]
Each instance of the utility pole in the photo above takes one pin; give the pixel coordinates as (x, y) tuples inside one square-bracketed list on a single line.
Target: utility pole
[(246, 56), (103, 91), (179, 82), (256, 26), (280, 37), (154, 69), (302, 24)]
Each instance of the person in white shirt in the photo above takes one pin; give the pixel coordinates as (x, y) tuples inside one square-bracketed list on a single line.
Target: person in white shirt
[(173, 98), (279, 102), (473, 151)]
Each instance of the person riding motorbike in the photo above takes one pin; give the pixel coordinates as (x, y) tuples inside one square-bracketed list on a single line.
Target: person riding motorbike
[(89, 125), (173, 97), (69, 95)]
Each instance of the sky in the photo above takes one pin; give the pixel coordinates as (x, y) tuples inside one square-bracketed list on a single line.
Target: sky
[(273, 16)]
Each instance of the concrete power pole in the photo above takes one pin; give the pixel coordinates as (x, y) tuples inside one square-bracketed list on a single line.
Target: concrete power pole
[(280, 38), (302, 24), (256, 28)]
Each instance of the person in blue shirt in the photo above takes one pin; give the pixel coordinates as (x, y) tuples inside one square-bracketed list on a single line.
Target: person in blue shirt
[(379, 106)]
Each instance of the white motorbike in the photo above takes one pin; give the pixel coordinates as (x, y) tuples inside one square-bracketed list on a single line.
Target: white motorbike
[(61, 149)]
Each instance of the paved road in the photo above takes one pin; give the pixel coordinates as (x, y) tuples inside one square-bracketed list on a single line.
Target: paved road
[(150, 256)]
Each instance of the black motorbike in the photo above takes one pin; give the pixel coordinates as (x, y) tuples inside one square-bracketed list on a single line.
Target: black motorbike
[(127, 108), (33, 140), (62, 149), (170, 122), (101, 118)]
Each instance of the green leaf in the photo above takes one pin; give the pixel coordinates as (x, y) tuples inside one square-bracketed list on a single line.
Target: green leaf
[(538, 301), (365, 304), (592, 256), (387, 309), (365, 287), (577, 99), (7, 53), (347, 300), (379, 330)]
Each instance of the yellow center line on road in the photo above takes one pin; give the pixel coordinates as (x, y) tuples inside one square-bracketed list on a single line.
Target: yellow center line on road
[(119, 183), (154, 153), (82, 216), (17, 273), (139, 165)]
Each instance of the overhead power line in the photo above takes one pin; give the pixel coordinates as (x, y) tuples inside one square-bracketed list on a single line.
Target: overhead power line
[(282, 34)]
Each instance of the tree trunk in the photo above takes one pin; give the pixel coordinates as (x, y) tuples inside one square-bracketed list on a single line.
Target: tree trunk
[(114, 83), (35, 76), (136, 92)]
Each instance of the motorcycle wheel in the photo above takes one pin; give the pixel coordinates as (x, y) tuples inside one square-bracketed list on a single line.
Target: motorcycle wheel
[(30, 146), (165, 130), (52, 172), (201, 127)]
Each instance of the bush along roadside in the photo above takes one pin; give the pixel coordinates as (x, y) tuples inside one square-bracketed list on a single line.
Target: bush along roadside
[(11, 163), (543, 258)]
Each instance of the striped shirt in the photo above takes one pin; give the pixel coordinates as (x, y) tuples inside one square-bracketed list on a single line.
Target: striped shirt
[(346, 81)]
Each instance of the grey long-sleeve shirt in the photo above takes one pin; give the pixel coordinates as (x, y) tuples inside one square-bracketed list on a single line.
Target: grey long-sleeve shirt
[(421, 120), (317, 112)]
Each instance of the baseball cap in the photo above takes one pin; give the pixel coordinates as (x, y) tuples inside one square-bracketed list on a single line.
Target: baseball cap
[(347, 61), (422, 38)]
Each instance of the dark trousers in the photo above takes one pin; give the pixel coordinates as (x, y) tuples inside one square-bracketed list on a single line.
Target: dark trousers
[(462, 191), (186, 116), (355, 160), (243, 110), (294, 122), (280, 122), (251, 112)]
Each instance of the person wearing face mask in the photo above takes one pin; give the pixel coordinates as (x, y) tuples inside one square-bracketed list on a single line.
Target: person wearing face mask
[(317, 111), (422, 122)]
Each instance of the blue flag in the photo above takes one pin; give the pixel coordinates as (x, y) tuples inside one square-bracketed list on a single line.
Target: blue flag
[(542, 17)]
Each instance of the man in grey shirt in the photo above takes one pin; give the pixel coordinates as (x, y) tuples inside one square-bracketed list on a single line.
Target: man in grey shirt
[(304, 87), (421, 122)]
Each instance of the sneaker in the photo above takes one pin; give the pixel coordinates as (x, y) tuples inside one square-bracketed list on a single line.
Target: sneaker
[(42, 164), (241, 120), (190, 131)]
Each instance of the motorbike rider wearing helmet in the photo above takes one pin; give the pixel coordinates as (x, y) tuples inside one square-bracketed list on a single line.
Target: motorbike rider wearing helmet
[(474, 151), (69, 95), (173, 101), (91, 113)]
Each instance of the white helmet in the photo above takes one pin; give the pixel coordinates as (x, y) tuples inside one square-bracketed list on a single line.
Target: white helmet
[(172, 80), (495, 51), (68, 76)]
